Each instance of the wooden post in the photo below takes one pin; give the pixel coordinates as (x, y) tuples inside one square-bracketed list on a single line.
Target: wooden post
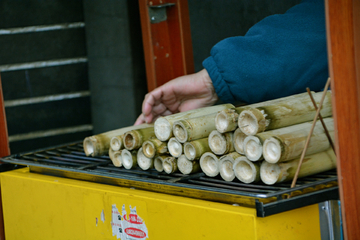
[(343, 36), (167, 41)]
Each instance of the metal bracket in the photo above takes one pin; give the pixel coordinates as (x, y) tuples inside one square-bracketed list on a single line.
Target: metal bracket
[(157, 13)]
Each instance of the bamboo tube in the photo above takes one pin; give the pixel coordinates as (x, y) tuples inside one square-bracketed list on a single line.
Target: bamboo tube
[(195, 149), (158, 162), (246, 171), (143, 161), (116, 143), (175, 147), (221, 143), (238, 139), (153, 147), (227, 120), (128, 158), (187, 130), (280, 172), (282, 114), (135, 138), (253, 147), (170, 165), (186, 166), (164, 125), (288, 143), (209, 164), (115, 157), (226, 166)]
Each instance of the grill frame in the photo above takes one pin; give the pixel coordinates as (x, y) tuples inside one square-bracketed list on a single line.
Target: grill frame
[(70, 161)]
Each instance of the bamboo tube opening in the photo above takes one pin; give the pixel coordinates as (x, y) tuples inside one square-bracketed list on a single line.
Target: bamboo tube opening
[(272, 150), (253, 148), (117, 161), (251, 121), (217, 142), (269, 172), (175, 148), (149, 149), (245, 170), (209, 164), (144, 162), (239, 138), (226, 169), (163, 129), (89, 146), (226, 120), (116, 143), (186, 166), (189, 151), (180, 132), (158, 163), (128, 159), (170, 165), (130, 140)]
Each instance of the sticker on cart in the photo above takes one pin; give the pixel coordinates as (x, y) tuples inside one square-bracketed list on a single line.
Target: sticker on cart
[(128, 227)]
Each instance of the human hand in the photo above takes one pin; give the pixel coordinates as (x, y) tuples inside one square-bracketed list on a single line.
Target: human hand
[(178, 95)]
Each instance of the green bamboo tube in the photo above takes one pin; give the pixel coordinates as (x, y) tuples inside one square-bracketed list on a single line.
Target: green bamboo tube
[(238, 139), (164, 125), (195, 149), (170, 165), (99, 144), (135, 138), (143, 161), (115, 157), (288, 143), (221, 143), (282, 114), (158, 162), (128, 158), (271, 173), (186, 166), (153, 147), (209, 164), (116, 143), (246, 171), (226, 166), (194, 128), (175, 147)]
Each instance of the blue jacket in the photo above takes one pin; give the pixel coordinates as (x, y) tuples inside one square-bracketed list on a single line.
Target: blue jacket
[(279, 56)]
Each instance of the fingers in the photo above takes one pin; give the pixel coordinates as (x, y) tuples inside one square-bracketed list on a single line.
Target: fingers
[(140, 120)]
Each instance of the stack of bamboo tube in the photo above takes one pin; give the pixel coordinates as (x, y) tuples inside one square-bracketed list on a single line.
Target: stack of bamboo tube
[(256, 142)]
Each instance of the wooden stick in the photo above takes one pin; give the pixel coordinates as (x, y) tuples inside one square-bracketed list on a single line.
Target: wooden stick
[(195, 149), (221, 143), (322, 121), (163, 126), (310, 133)]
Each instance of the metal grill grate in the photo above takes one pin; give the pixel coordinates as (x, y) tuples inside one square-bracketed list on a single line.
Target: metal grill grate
[(70, 161)]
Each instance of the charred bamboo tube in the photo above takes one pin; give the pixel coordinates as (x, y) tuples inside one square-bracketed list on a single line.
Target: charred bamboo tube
[(282, 114), (98, 145), (175, 147), (164, 125), (115, 157), (194, 128), (143, 161), (209, 164), (271, 173), (128, 158), (158, 162), (246, 171), (226, 166), (153, 147), (116, 143), (135, 138), (227, 120), (238, 139), (170, 165), (253, 147), (195, 149), (288, 143), (221, 143), (186, 166)]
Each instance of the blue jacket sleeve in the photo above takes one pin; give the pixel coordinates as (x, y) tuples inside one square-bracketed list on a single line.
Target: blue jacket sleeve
[(279, 56)]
